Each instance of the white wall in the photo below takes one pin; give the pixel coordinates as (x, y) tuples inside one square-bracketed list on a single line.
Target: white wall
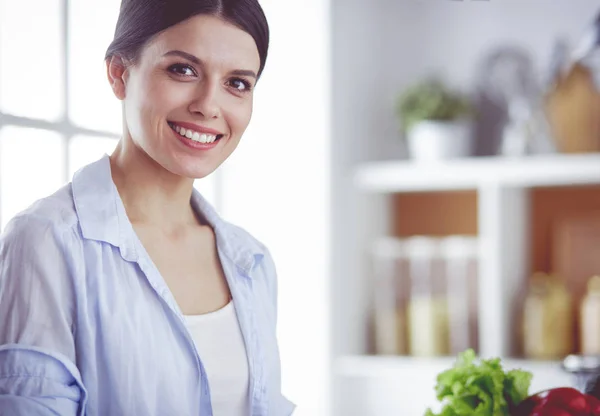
[(276, 185)]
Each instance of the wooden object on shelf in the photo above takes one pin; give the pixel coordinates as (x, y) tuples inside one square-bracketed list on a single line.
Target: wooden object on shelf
[(573, 110)]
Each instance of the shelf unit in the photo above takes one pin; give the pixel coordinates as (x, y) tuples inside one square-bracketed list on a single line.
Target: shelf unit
[(502, 186), (479, 173)]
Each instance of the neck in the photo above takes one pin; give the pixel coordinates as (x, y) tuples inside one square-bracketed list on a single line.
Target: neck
[(151, 194)]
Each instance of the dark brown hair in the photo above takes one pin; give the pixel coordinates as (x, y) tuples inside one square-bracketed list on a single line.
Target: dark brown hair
[(140, 20)]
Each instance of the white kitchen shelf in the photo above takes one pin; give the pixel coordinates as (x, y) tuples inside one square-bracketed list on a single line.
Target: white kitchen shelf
[(503, 209), (477, 172)]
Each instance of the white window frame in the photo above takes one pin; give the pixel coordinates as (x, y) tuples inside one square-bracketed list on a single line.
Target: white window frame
[(64, 126)]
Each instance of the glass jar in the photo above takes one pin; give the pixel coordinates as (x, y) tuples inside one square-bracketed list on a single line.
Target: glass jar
[(460, 257), (590, 318), (427, 307), (547, 319), (389, 299)]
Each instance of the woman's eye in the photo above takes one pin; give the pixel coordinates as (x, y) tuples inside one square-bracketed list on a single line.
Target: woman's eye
[(183, 70), (240, 85)]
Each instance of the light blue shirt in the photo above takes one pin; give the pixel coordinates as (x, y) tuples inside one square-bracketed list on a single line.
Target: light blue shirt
[(89, 327)]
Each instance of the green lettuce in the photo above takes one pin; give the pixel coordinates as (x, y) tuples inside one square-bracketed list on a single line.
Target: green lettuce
[(480, 387)]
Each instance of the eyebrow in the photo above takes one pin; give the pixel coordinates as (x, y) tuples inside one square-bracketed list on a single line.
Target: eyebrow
[(244, 72), (197, 61)]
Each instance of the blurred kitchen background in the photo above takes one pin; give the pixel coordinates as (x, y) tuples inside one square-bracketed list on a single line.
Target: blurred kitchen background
[(426, 174)]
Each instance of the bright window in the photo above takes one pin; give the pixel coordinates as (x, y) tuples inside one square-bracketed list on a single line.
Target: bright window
[(31, 68), (31, 164), (91, 29), (86, 149), (56, 108)]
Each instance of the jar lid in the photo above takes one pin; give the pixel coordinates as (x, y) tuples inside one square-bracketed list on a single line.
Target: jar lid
[(388, 247), (459, 247), (581, 364), (422, 247), (593, 284)]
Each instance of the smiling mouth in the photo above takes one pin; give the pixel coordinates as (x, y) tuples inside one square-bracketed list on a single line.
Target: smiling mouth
[(194, 135)]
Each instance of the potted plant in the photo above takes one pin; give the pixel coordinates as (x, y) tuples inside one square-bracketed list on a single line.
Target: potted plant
[(436, 121)]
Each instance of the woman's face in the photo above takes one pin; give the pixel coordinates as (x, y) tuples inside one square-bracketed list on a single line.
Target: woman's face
[(188, 98)]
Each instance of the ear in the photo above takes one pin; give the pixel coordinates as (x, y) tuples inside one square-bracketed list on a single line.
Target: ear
[(117, 72)]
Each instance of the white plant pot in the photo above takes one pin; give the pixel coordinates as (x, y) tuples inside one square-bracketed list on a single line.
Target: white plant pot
[(430, 141)]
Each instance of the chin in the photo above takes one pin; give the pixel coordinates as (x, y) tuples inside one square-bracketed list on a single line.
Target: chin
[(192, 172)]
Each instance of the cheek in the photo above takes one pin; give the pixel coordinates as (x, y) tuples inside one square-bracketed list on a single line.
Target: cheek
[(240, 118), (163, 97)]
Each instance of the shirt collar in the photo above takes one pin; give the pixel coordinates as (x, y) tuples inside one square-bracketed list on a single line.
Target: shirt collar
[(97, 202), (234, 242), (102, 217)]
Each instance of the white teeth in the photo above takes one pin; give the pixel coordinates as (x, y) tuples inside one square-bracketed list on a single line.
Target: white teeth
[(195, 136)]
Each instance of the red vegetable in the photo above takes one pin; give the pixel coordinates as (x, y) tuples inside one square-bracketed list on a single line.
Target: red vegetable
[(594, 405), (555, 411), (531, 406), (563, 401), (569, 399)]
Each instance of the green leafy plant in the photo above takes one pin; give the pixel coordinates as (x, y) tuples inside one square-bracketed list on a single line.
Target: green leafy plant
[(479, 387), (431, 100)]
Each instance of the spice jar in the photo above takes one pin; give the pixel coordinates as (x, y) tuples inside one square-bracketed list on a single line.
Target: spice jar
[(389, 297), (460, 257), (590, 318), (427, 307), (547, 319)]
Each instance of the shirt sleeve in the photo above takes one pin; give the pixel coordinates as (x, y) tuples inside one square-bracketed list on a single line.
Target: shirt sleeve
[(38, 375)]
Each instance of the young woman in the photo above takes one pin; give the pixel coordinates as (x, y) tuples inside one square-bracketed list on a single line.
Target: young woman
[(124, 293)]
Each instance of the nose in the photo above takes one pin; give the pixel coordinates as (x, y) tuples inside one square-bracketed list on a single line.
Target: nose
[(205, 102)]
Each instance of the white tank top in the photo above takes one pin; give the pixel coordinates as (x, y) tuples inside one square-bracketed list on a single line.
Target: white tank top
[(219, 340)]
